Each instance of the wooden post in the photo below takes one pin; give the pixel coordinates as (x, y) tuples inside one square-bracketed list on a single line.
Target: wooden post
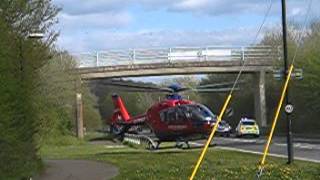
[(79, 114)]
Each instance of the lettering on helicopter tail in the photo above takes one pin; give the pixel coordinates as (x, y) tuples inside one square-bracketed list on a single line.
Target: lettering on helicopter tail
[(177, 127), (116, 110), (120, 107)]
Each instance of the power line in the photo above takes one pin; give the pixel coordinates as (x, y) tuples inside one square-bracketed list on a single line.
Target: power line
[(253, 42), (225, 104), (284, 92), (303, 31)]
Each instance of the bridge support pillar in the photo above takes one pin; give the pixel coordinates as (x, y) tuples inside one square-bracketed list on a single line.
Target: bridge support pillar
[(78, 110), (79, 116), (260, 99)]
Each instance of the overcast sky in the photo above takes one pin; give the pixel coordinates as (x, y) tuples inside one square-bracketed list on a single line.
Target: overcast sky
[(92, 25)]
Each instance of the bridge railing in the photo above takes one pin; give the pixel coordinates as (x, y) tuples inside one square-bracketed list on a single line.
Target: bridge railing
[(176, 55)]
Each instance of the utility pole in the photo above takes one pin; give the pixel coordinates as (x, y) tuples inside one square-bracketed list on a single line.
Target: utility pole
[(285, 58)]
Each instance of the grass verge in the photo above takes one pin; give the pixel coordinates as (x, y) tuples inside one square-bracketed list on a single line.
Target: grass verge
[(169, 163)]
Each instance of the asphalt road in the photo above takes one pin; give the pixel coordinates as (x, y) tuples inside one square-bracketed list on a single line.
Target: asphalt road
[(304, 149)]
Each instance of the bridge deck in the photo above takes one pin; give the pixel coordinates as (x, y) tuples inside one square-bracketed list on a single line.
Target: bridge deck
[(159, 69), (173, 61)]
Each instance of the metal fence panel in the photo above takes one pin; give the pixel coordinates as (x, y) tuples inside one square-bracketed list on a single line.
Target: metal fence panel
[(176, 55)]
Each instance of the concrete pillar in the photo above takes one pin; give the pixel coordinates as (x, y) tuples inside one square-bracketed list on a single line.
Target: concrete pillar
[(79, 116), (260, 98)]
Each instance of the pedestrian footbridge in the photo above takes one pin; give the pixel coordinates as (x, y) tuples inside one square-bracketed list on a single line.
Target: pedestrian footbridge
[(175, 61), (256, 60)]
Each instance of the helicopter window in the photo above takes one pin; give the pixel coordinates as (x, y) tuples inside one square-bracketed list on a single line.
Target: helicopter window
[(180, 114), (167, 115), (163, 116), (173, 115)]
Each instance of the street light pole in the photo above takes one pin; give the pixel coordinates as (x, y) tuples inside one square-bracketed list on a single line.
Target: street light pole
[(35, 36), (285, 58)]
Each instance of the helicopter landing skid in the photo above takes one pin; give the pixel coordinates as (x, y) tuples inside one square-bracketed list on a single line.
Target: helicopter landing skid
[(179, 144), (149, 142), (152, 143)]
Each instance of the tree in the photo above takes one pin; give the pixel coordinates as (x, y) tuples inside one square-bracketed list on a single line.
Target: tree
[(20, 61), (303, 94), (135, 102), (242, 102), (56, 91), (306, 92)]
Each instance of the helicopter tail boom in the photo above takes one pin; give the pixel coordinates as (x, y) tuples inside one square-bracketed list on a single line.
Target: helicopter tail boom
[(120, 111)]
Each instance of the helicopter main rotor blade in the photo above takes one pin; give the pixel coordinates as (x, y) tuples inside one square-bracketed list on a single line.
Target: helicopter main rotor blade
[(131, 86), (216, 85), (216, 90), (133, 90), (138, 87), (142, 91), (183, 89)]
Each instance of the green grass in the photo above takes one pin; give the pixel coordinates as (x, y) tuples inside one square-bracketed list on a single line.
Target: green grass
[(137, 163)]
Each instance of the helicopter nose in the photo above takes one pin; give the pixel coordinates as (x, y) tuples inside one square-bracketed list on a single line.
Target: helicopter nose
[(211, 123), (208, 126)]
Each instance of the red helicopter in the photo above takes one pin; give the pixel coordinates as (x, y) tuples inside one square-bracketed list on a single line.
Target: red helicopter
[(173, 119)]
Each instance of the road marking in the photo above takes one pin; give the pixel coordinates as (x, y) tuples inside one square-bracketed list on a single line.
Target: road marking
[(242, 140), (270, 154), (258, 153), (300, 145)]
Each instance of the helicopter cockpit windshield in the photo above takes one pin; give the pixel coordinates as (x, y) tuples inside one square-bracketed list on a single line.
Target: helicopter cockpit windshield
[(198, 112), (181, 113)]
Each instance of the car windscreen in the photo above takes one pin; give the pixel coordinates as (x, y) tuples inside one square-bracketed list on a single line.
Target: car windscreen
[(223, 123), (248, 123)]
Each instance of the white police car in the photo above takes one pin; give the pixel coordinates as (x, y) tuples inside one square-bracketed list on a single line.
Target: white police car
[(247, 127)]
